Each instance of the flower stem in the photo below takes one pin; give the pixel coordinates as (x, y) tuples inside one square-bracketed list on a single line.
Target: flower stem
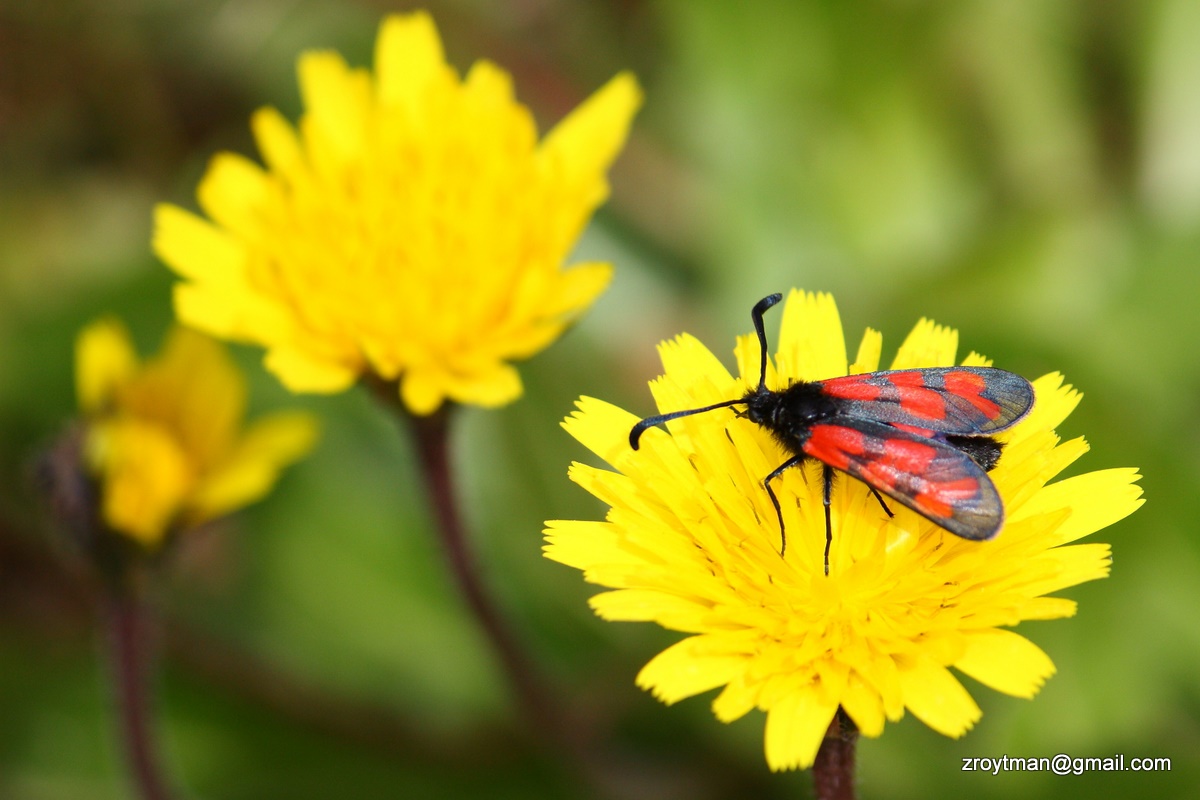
[(431, 435), (128, 629), (833, 771)]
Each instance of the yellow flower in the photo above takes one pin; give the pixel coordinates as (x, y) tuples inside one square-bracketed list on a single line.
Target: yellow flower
[(163, 438), (413, 226), (692, 542)]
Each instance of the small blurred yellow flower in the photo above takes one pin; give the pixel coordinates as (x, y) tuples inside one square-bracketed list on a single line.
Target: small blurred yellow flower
[(163, 438), (413, 226), (691, 542)]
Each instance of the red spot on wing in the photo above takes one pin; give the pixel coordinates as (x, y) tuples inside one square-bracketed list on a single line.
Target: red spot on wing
[(939, 499), (931, 505), (964, 383), (970, 387), (835, 445), (907, 378), (852, 387), (915, 398), (907, 456), (923, 403), (894, 459)]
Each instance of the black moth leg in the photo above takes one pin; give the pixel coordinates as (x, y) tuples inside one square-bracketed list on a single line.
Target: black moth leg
[(827, 492), (879, 497), (775, 473)]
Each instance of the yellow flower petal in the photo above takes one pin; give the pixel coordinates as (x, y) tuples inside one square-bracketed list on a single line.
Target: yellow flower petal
[(646, 605), (736, 700), (193, 388), (689, 668), (300, 371), (928, 345), (104, 362), (209, 308), (249, 471), (864, 705), (491, 387), (1095, 500), (869, 351), (422, 391), (222, 302), (564, 539), (811, 345), (337, 100), (233, 192), (579, 149), (408, 59), (598, 426), (277, 141), (936, 698), (1055, 402), (578, 288), (145, 476), (196, 248), (1005, 661), (795, 727)]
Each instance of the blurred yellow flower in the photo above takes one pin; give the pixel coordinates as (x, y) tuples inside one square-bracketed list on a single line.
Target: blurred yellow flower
[(691, 542), (412, 227), (163, 438)]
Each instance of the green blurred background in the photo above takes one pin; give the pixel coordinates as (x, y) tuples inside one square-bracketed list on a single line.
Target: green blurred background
[(1027, 172)]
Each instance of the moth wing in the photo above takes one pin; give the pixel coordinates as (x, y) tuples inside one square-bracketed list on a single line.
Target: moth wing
[(924, 474), (960, 401)]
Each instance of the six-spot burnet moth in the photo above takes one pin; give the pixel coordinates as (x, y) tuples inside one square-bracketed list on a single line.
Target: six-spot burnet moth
[(921, 436)]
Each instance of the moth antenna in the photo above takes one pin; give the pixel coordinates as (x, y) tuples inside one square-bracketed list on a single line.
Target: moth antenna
[(650, 422), (756, 314)]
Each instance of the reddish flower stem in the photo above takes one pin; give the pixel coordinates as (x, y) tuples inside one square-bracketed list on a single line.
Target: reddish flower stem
[(127, 630), (431, 435), (833, 771)]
